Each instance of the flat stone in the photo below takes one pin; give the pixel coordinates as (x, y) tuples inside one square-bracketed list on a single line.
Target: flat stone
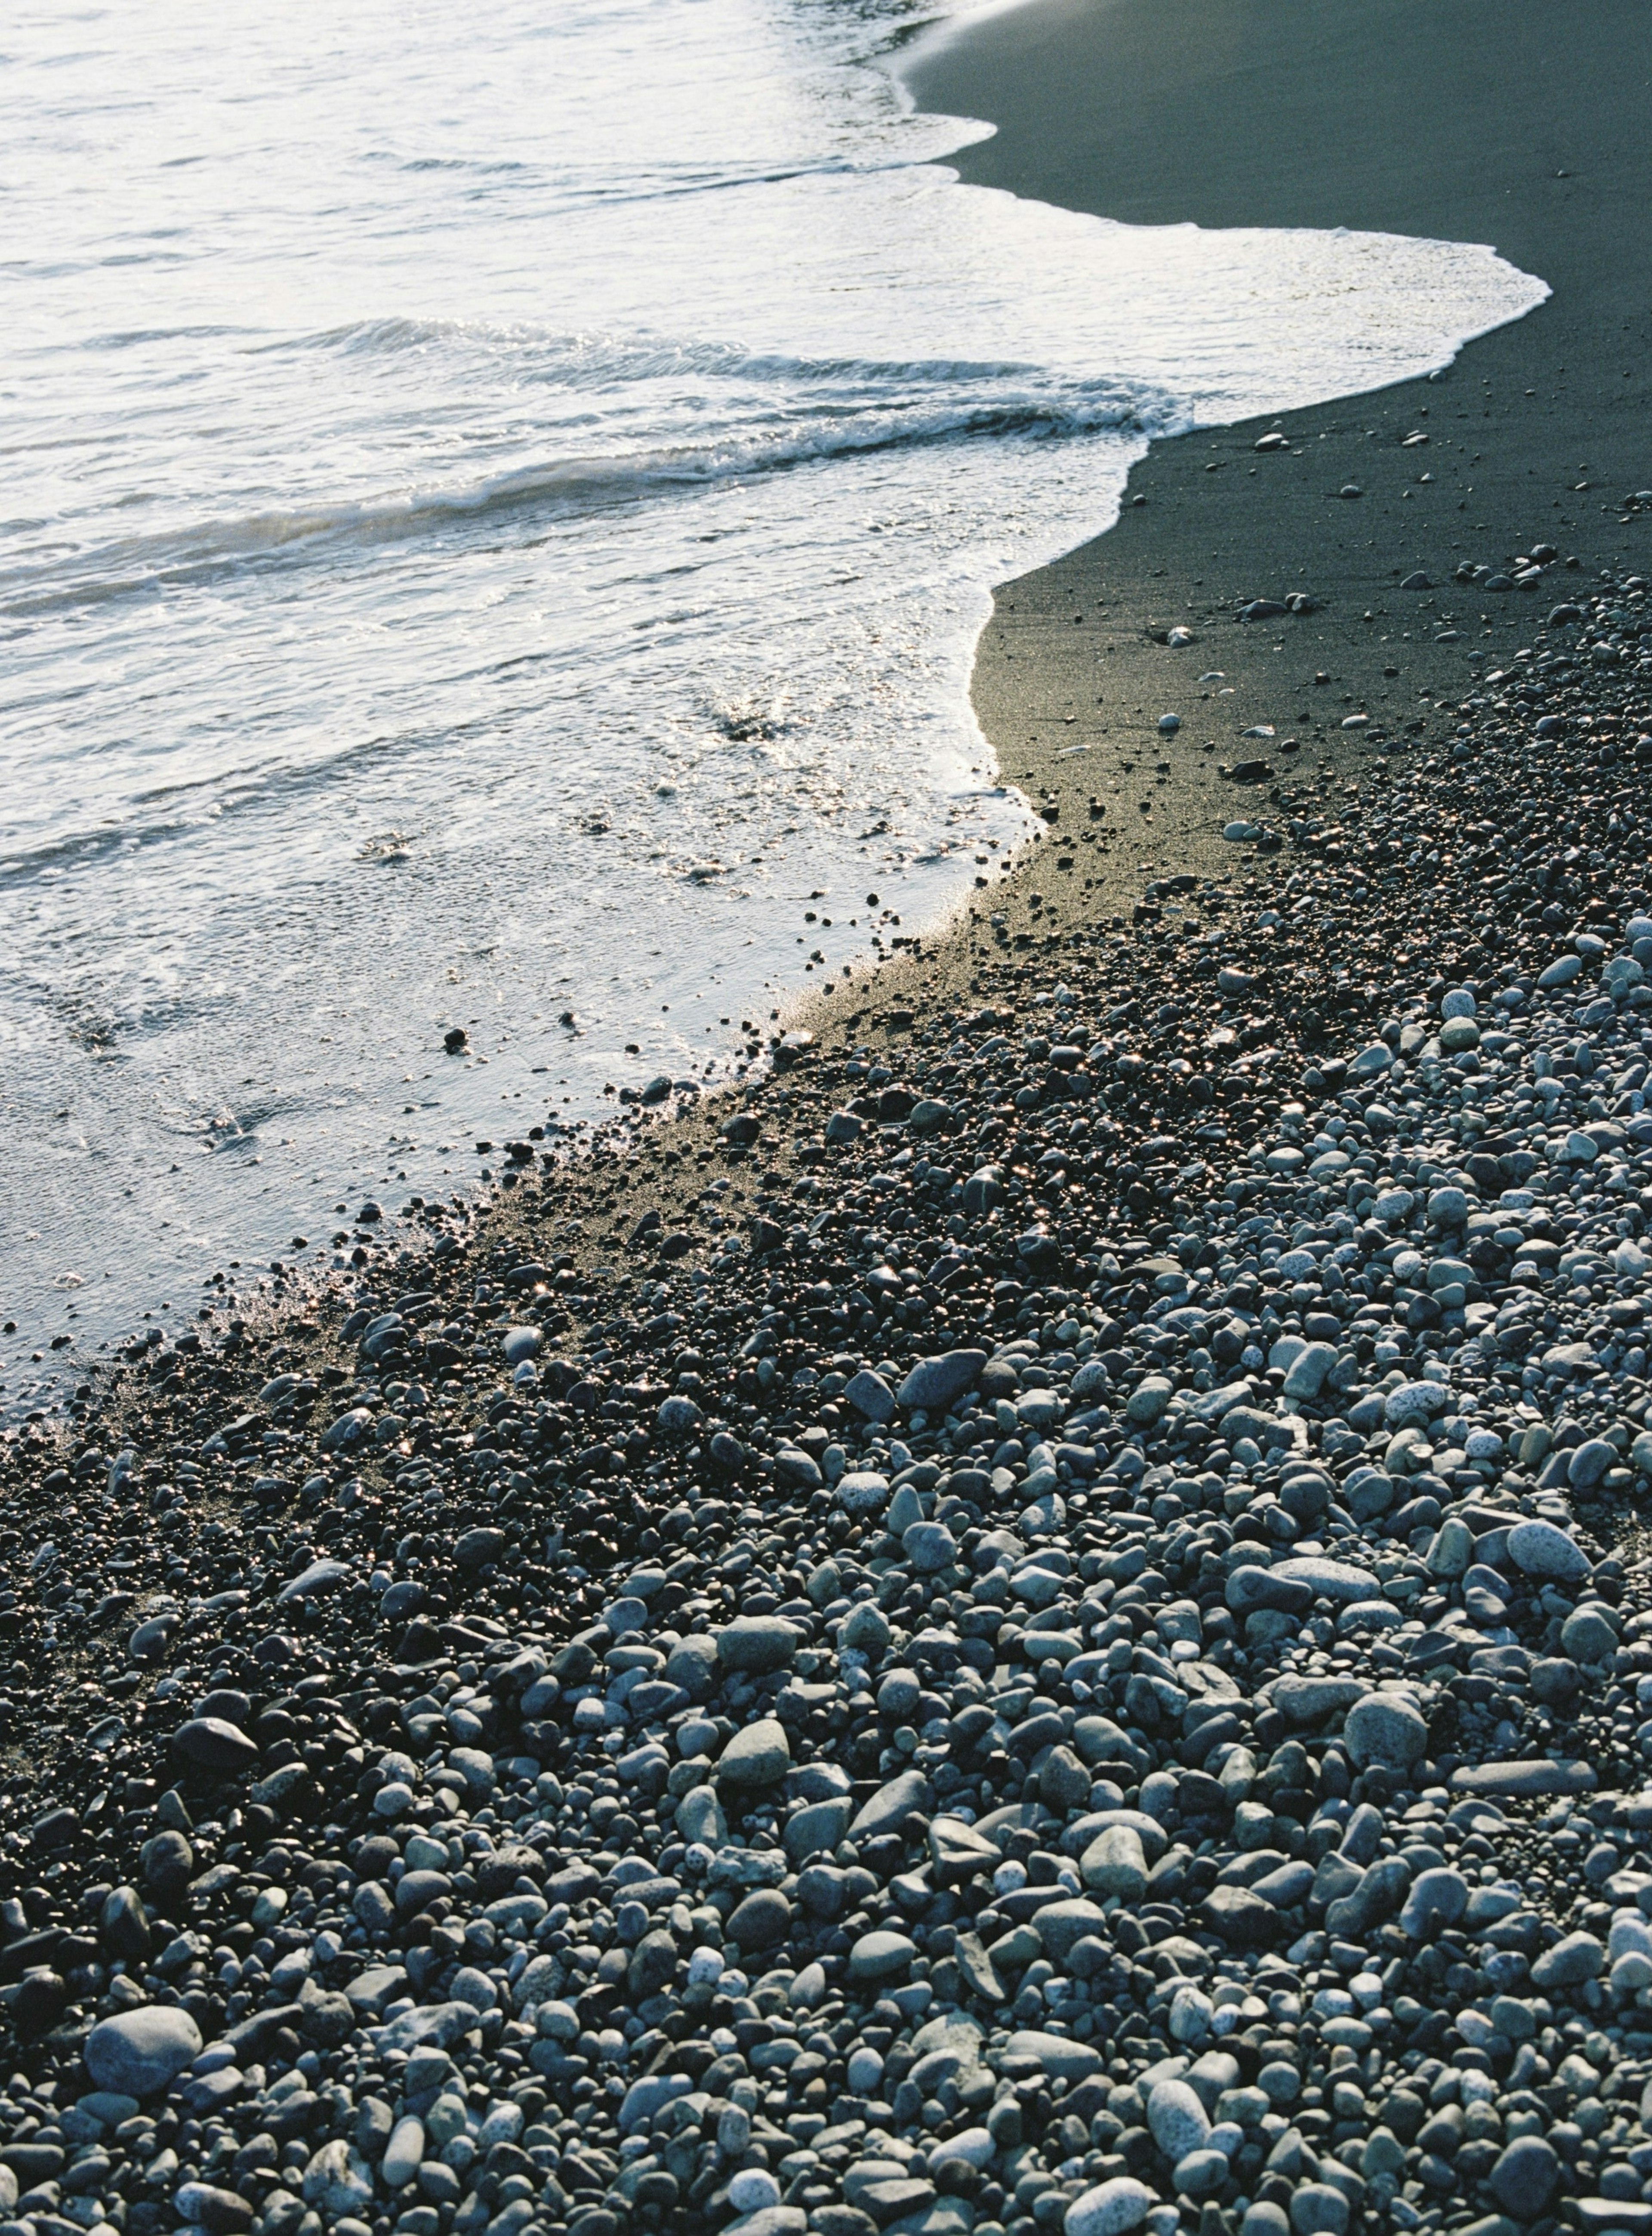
[(1610, 2216), (979, 1973)]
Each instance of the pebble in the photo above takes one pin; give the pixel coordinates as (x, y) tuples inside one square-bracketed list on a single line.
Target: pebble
[(1091, 1651), (136, 2052)]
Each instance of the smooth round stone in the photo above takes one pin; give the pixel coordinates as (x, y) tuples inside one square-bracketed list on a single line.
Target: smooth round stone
[(1267, 2219), (404, 2152), (1458, 1003), (1148, 1401), (1059, 1925), (1385, 1729), (1200, 2173), (762, 1921), (1588, 1635), (930, 1547), (1368, 1615), (1523, 2180), (1412, 1405), (867, 1628), (211, 1744), (1452, 1552), (757, 1643), (753, 2188), (1316, 2209), (1338, 1581), (1437, 1897), (1458, 1034), (1590, 1463), (759, 1755), (137, 2053), (864, 2071), (1573, 1959), (220, 2212), (1062, 2058), (1116, 1862), (1110, 2208), (471, 1985), (975, 2145), (523, 1343), (1541, 1549), (880, 1955), (861, 1491), (1178, 2122), (1306, 1376)]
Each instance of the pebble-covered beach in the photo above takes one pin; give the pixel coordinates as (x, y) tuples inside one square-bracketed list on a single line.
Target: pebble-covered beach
[(1038, 1622)]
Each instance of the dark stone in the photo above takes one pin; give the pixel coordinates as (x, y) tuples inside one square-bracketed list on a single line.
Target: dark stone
[(762, 1921), (167, 1863), (211, 1744), (1523, 2180)]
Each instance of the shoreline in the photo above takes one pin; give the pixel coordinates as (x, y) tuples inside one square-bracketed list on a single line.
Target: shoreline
[(775, 1677)]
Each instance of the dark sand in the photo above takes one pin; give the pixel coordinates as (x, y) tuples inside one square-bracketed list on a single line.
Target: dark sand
[(1522, 127)]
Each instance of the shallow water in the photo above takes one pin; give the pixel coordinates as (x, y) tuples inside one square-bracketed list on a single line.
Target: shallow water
[(495, 509)]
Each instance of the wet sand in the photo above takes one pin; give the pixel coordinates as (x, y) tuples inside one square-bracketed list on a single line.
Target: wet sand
[(1525, 132)]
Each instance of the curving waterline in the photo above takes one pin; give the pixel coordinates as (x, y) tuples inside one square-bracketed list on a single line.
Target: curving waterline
[(483, 554)]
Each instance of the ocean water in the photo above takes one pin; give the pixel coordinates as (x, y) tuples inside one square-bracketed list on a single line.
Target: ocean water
[(495, 509)]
